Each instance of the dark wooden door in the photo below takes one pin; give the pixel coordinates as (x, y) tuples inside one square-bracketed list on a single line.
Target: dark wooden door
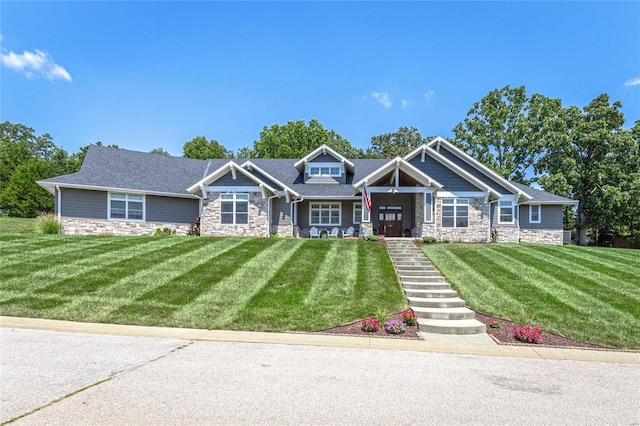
[(390, 221)]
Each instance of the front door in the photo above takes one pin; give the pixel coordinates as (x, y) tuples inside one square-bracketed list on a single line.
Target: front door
[(390, 221)]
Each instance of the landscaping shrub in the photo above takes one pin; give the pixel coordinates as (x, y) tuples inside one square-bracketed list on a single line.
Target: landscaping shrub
[(48, 224), (428, 240), (370, 324), (194, 228), (527, 333), (495, 324), (165, 231), (446, 241), (373, 238), (394, 327), (409, 318)]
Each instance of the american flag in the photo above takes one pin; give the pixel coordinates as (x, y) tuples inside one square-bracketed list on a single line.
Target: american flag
[(367, 198)]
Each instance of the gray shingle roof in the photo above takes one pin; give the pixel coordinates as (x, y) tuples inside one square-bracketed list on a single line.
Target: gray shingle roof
[(542, 196), (133, 170)]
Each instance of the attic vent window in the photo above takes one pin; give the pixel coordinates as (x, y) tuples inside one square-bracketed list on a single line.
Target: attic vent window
[(325, 171)]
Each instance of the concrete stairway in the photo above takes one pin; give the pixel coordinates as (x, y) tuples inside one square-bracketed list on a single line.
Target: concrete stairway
[(437, 306)]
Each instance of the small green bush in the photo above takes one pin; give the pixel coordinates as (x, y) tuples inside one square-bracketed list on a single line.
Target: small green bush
[(446, 241), (373, 238), (429, 240), (165, 231), (48, 224)]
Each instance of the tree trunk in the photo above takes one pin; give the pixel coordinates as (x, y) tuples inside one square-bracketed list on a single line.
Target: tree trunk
[(581, 227)]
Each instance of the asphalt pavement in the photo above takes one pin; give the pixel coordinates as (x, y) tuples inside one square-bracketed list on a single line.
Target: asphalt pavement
[(70, 378)]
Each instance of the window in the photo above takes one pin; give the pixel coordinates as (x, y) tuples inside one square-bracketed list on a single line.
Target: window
[(357, 212), (325, 170), (234, 209), (126, 206), (534, 214), (506, 212), (324, 213), (455, 212)]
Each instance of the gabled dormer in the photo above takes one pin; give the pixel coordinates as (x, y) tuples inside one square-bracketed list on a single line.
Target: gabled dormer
[(324, 165)]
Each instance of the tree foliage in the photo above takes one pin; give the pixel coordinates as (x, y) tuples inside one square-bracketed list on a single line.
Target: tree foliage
[(296, 139), (508, 130), (200, 147), (396, 144), (586, 161), (160, 151)]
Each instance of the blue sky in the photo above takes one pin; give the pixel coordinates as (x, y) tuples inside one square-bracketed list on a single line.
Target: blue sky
[(156, 74)]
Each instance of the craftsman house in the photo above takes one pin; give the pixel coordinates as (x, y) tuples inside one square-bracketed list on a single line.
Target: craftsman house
[(436, 190)]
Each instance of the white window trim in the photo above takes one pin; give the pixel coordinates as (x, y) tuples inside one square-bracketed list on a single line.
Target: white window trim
[(513, 213), (354, 212), (455, 212), (311, 223), (235, 200), (337, 165), (126, 200), (531, 206)]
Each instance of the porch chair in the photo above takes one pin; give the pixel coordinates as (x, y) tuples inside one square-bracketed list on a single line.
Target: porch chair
[(349, 233), (334, 232), (314, 233)]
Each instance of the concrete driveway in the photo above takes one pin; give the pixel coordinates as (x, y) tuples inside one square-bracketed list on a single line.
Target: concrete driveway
[(50, 377)]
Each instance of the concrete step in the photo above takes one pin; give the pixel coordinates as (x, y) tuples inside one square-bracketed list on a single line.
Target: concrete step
[(467, 326), (441, 294), (444, 313), (422, 278), (417, 272), (426, 286), (424, 266), (435, 302)]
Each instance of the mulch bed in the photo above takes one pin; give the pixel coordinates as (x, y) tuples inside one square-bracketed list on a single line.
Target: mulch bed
[(502, 335)]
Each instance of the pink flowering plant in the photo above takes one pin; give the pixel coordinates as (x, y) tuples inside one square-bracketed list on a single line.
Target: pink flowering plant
[(409, 318), (394, 327), (370, 324), (495, 324), (528, 333)]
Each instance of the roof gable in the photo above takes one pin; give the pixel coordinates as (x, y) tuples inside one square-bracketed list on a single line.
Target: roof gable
[(397, 164), (234, 169), (324, 150)]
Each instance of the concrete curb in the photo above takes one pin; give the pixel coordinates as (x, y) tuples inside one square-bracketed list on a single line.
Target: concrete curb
[(325, 340)]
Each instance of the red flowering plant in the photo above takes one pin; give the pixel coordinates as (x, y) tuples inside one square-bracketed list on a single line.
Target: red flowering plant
[(409, 318), (370, 324), (528, 333), (495, 324)]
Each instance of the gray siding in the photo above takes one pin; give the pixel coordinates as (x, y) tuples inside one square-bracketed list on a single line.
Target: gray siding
[(280, 211), (447, 178), (228, 180), (325, 179), (551, 218), (84, 203), (168, 209), (474, 172), (325, 158)]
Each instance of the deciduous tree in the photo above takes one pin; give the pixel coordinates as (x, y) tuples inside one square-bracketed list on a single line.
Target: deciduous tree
[(200, 147), (396, 144)]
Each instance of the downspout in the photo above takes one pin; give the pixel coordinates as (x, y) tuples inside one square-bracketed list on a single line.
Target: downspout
[(269, 214), (59, 208), (294, 223)]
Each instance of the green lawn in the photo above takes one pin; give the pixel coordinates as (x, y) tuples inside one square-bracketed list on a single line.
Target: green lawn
[(585, 293), (17, 225), (212, 283)]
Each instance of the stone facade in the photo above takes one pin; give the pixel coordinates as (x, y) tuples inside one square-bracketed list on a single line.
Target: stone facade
[(476, 232), (257, 227), (507, 234), (283, 230), (422, 229), (366, 228), (542, 236), (79, 226)]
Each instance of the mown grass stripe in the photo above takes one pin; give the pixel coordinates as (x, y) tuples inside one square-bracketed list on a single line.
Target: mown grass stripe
[(9, 256), (475, 288), (604, 255), (191, 284), (600, 274), (568, 286), (220, 307), (90, 281), (336, 275)]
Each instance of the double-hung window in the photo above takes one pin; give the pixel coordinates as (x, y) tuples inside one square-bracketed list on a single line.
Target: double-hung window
[(324, 213), (357, 212), (126, 206), (506, 211), (455, 213), (234, 209), (534, 214)]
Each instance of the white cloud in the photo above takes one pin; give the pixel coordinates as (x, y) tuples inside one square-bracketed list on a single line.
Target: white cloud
[(405, 103), (430, 94), (632, 82), (383, 98), (32, 63)]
